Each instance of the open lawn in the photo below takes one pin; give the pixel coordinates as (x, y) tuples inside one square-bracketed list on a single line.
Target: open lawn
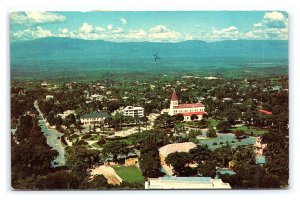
[(130, 174), (249, 130)]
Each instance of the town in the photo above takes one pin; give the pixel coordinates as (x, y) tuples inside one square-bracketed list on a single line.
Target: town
[(167, 132)]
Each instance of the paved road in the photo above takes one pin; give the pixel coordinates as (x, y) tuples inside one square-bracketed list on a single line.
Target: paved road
[(53, 138)]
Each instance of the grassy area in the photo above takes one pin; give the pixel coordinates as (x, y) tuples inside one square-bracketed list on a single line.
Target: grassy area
[(130, 174), (249, 130), (212, 122)]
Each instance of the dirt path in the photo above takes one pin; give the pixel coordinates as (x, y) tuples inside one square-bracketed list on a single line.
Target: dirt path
[(109, 173)]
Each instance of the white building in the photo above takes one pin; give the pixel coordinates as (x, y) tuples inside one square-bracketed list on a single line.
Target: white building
[(185, 183), (133, 111), (66, 113), (93, 118), (48, 97), (187, 110)]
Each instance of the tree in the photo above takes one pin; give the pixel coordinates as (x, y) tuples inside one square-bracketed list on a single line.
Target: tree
[(149, 159), (80, 159), (115, 148), (99, 182), (222, 156), (30, 154), (239, 133), (200, 154), (211, 133), (194, 117), (231, 115), (207, 169), (59, 180), (150, 164), (179, 117), (163, 120), (178, 127), (179, 161), (245, 154), (223, 126)]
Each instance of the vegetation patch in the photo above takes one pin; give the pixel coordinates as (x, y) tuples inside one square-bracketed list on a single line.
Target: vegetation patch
[(130, 174), (250, 130)]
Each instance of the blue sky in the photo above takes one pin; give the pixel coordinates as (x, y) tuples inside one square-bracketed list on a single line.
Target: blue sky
[(150, 26)]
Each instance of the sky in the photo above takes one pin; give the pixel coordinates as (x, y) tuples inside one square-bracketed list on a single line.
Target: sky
[(149, 26)]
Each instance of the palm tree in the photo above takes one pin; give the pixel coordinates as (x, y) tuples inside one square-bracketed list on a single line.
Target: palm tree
[(118, 118)]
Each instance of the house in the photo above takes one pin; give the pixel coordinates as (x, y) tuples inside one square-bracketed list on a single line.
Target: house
[(187, 110), (175, 147), (48, 97), (185, 183), (259, 146), (93, 118), (66, 113), (133, 111)]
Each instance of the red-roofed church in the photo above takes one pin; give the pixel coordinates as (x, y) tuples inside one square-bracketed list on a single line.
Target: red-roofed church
[(187, 110)]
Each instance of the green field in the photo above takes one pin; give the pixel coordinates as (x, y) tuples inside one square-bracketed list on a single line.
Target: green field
[(129, 174), (248, 130)]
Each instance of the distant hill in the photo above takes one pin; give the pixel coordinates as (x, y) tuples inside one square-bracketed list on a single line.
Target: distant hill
[(42, 55)]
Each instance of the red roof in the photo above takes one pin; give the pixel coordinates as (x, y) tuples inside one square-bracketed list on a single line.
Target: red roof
[(265, 112), (192, 113), (190, 105), (174, 96)]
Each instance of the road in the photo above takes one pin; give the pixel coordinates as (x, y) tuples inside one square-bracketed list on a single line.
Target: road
[(53, 138)]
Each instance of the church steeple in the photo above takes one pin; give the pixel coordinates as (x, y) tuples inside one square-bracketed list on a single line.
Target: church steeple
[(174, 96), (174, 102)]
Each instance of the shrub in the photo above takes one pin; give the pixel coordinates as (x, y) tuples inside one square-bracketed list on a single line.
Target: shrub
[(86, 136), (211, 133), (101, 142), (215, 143)]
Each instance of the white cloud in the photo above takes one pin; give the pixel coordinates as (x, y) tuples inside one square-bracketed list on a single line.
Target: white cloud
[(258, 25), (273, 26), (274, 20), (31, 33), (109, 27), (162, 33), (118, 30), (274, 16), (159, 29), (99, 29), (86, 28), (64, 30), (34, 17), (123, 21)]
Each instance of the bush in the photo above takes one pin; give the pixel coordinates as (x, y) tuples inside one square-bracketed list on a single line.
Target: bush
[(211, 133), (232, 141), (81, 142), (239, 133), (101, 142), (86, 136), (215, 143), (221, 142)]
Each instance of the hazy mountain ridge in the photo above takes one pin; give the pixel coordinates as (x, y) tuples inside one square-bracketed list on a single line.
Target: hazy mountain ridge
[(65, 55), (62, 47)]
